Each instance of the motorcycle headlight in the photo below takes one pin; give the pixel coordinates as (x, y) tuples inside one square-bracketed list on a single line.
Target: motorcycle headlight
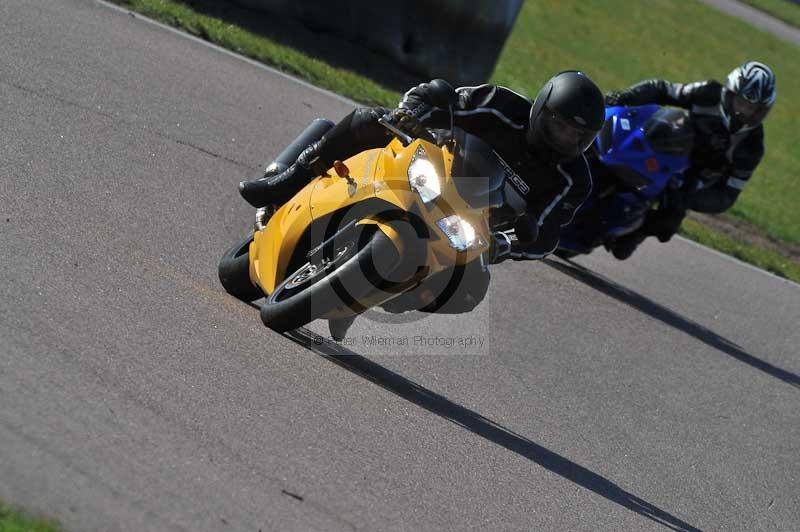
[(423, 178), (460, 232)]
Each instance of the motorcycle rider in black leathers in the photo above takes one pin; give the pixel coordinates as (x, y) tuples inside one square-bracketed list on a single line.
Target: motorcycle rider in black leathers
[(540, 142), (729, 143)]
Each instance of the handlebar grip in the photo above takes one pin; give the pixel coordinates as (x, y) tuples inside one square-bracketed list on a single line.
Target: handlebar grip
[(419, 111), (388, 122), (407, 128)]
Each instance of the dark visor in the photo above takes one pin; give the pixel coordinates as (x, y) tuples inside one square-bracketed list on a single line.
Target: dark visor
[(747, 112), (564, 136)]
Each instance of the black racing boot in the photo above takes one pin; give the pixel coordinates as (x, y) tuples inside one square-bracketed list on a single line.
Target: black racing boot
[(625, 245), (278, 189)]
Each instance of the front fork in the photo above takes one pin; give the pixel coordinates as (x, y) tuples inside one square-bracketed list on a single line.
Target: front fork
[(263, 214)]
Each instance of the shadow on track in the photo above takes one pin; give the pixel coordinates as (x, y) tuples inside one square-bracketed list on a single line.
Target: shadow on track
[(484, 427), (672, 318)]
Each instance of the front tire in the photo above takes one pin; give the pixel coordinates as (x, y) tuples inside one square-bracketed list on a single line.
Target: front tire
[(234, 272), (306, 295)]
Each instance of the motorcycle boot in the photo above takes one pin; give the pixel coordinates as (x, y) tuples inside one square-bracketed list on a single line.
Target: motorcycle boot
[(625, 245), (278, 189)]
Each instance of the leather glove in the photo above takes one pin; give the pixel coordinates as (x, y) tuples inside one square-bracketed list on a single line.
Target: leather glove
[(408, 122), (417, 111), (613, 98), (505, 246), (425, 97), (415, 103), (500, 248)]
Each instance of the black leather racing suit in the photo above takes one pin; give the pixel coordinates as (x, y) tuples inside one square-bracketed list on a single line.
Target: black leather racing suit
[(724, 155)]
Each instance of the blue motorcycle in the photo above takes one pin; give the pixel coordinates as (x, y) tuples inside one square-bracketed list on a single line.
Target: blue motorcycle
[(640, 153)]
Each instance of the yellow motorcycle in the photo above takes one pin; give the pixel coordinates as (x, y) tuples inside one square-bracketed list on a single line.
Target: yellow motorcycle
[(372, 227)]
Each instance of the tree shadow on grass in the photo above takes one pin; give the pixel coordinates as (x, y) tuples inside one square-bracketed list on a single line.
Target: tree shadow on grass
[(484, 427), (672, 318), (330, 48)]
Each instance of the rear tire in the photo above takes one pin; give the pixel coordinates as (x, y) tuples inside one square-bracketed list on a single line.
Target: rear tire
[(234, 272)]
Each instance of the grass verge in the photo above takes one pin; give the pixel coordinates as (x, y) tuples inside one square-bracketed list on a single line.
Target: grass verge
[(757, 256), (785, 10), (12, 520), (551, 35)]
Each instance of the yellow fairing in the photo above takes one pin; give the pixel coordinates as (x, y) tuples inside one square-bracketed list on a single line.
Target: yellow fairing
[(379, 173), (268, 249), (273, 247)]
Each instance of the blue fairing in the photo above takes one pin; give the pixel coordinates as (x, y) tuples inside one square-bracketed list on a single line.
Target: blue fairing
[(646, 145), (631, 148)]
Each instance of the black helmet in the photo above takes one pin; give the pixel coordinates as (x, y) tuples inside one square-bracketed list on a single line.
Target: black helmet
[(566, 116), (749, 94)]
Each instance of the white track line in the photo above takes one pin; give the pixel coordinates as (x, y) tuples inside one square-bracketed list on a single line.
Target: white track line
[(354, 104)]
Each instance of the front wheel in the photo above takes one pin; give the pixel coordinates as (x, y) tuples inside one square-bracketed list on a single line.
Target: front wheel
[(234, 272), (351, 267)]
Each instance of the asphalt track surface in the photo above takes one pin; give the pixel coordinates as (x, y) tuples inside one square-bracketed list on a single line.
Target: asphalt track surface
[(659, 393)]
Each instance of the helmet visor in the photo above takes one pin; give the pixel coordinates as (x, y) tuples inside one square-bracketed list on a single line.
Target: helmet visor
[(564, 136), (747, 112)]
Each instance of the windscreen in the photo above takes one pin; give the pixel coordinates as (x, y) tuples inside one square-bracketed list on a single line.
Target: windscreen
[(478, 172), (670, 131)]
